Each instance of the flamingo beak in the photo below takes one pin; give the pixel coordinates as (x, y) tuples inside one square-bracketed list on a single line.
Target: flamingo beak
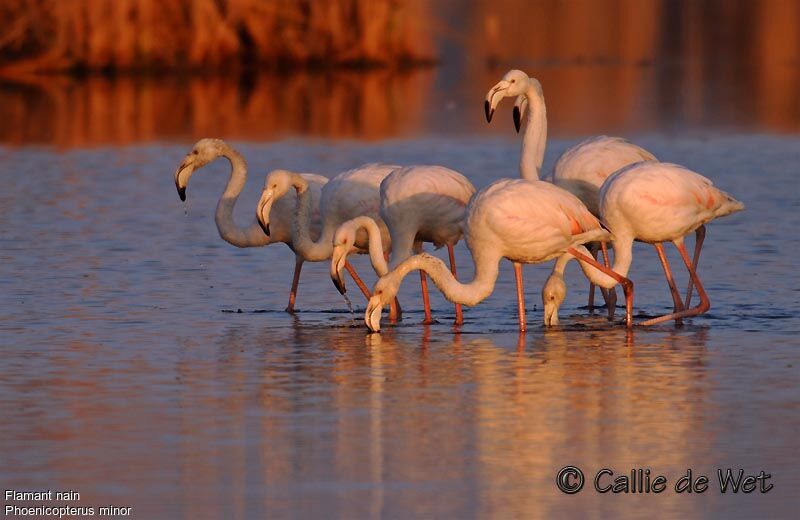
[(338, 260), (187, 162), (262, 214), (489, 104), (372, 317), (550, 314)]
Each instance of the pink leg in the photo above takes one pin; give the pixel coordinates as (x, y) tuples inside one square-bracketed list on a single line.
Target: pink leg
[(520, 296), (298, 264), (426, 303), (590, 304), (700, 235), (705, 304), (459, 312), (609, 295), (627, 285), (357, 279), (676, 296), (395, 312)]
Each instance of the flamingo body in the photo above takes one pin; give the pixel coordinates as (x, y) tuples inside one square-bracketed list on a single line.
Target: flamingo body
[(659, 202), (526, 221), (423, 204), (583, 168)]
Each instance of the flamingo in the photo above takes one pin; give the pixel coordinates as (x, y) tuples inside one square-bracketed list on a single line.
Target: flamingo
[(580, 170), (418, 204), (208, 150), (523, 221), (348, 195), (658, 202)]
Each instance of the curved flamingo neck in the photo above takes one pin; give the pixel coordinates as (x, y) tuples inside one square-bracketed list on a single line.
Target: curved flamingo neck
[(375, 246), (302, 242), (534, 138), (472, 293), (250, 236)]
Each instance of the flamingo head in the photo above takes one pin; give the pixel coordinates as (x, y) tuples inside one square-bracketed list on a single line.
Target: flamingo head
[(514, 83), (383, 293), (553, 294), (203, 152), (276, 185), (343, 241)]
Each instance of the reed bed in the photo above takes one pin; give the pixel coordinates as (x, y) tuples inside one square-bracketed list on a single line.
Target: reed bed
[(202, 34)]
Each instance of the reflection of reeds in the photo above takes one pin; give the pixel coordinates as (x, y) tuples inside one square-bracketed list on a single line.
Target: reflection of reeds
[(152, 34), (67, 112)]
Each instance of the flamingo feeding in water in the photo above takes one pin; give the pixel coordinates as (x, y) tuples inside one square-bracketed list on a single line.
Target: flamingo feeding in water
[(580, 170), (348, 195), (657, 202), (523, 221), (208, 150), (418, 204)]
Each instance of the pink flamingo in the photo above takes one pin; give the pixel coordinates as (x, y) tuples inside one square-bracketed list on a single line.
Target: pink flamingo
[(208, 150), (658, 202), (523, 221), (418, 204)]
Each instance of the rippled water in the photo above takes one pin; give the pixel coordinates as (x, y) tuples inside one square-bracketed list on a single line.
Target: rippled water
[(130, 375)]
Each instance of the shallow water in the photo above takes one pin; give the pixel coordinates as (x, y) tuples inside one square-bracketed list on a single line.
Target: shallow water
[(130, 376)]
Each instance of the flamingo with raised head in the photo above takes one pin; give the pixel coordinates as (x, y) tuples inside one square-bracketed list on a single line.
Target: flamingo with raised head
[(208, 150), (348, 195), (418, 204), (580, 170), (658, 202), (523, 221)]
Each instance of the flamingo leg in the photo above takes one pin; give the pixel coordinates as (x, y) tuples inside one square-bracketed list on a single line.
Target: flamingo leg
[(704, 305), (520, 296), (426, 302), (627, 284), (459, 312), (298, 265), (611, 294), (700, 235), (395, 312), (590, 304), (357, 279), (676, 296)]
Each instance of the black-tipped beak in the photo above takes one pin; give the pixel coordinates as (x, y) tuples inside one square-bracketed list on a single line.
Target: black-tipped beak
[(517, 118), (339, 283), (264, 227), (487, 108), (181, 192)]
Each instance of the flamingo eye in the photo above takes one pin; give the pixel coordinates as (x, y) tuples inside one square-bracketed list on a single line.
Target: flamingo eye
[(195, 152), (513, 80)]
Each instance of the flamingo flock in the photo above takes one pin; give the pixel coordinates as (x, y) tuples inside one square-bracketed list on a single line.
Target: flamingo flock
[(604, 193)]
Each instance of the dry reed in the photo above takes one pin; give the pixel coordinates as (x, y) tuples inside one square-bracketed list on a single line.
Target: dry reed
[(200, 34)]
